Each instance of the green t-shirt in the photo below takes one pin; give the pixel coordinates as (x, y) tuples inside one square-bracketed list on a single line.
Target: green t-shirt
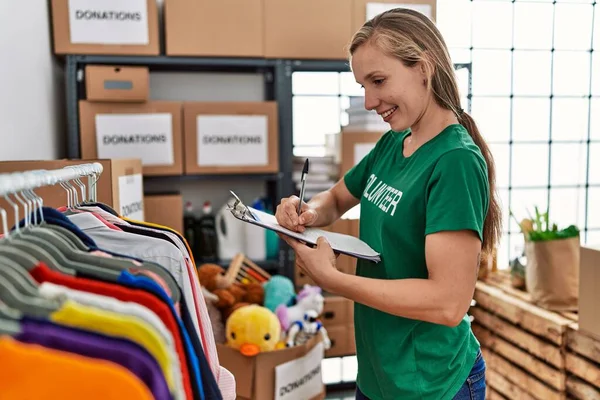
[(441, 186)]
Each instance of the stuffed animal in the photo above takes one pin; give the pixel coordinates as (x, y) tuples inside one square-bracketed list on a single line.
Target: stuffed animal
[(278, 290), (253, 329), (302, 331), (212, 277), (309, 298)]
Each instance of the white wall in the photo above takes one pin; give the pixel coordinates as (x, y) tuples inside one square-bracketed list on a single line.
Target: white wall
[(32, 112)]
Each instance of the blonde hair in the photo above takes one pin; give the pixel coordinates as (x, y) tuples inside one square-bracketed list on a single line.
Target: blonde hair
[(412, 37)]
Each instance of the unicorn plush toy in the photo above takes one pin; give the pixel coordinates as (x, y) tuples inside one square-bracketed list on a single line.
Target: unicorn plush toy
[(309, 298)]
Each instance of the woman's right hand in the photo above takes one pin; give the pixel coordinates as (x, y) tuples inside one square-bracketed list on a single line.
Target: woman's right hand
[(287, 214)]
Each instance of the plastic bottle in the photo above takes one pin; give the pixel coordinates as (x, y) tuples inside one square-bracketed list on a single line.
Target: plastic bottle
[(206, 232), (189, 227)]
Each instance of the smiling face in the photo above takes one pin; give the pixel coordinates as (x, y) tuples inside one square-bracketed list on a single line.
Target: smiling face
[(398, 93)]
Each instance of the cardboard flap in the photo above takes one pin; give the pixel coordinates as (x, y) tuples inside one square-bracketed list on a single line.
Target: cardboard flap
[(241, 367), (266, 363)]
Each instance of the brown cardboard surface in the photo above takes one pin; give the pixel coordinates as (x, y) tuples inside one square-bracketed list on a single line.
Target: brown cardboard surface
[(589, 296), (223, 28), (55, 196), (98, 76), (255, 376), (351, 138), (122, 167), (166, 210), (351, 340), (63, 45), (359, 11), (192, 109), (317, 29), (87, 114), (339, 336), (335, 311)]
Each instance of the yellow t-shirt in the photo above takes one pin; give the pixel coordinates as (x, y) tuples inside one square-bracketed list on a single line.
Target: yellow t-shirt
[(114, 324), (31, 371)]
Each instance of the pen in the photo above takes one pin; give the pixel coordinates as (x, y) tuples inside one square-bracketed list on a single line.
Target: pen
[(303, 179)]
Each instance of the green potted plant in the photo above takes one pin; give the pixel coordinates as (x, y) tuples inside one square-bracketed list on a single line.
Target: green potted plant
[(552, 267)]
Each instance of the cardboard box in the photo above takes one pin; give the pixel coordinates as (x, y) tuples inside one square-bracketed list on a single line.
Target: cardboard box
[(257, 377), (367, 9), (224, 28), (120, 185), (356, 145), (309, 29), (150, 131), (340, 339), (231, 137), (336, 311), (105, 27), (165, 209), (116, 83), (589, 296)]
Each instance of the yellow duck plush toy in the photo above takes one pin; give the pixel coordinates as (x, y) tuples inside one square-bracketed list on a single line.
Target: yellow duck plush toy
[(253, 329)]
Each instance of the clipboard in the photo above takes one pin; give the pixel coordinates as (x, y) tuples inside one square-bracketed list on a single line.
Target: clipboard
[(340, 243)]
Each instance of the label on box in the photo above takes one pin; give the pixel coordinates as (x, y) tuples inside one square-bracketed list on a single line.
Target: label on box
[(374, 9), (300, 379), (109, 22), (232, 140), (145, 136), (131, 196), (361, 150)]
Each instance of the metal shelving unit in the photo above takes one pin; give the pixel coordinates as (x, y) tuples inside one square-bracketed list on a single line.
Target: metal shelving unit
[(278, 87)]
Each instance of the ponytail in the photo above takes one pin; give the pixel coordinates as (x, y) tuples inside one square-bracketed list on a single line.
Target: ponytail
[(492, 228)]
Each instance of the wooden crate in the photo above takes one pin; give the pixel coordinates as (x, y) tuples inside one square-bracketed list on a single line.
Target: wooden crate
[(532, 353)]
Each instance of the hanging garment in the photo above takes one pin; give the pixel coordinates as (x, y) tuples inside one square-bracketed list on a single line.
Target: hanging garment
[(121, 351), (42, 273), (31, 371), (119, 298)]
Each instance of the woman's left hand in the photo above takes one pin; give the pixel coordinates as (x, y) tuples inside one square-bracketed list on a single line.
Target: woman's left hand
[(318, 263)]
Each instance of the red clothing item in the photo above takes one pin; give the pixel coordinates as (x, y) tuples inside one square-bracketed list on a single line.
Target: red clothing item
[(42, 273)]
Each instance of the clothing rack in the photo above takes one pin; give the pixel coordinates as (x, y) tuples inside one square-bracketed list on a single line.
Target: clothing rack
[(29, 180), (88, 286)]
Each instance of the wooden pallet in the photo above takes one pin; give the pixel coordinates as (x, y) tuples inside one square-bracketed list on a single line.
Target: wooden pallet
[(532, 353)]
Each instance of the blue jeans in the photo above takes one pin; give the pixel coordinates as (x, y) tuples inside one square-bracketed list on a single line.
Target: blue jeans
[(473, 389)]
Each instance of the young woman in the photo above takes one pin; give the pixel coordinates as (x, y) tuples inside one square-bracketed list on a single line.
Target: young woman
[(428, 205)]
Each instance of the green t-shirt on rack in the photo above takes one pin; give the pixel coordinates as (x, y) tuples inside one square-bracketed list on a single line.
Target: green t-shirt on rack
[(441, 186)]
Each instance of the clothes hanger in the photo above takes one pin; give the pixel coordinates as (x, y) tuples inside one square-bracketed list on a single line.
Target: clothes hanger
[(9, 320), (34, 247), (51, 248), (28, 305), (25, 284)]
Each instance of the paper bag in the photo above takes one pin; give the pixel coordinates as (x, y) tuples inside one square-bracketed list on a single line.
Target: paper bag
[(552, 273)]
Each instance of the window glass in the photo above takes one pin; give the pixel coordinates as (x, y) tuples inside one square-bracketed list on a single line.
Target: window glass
[(531, 119), (527, 38), (532, 73), (315, 83), (593, 220), (491, 72), (492, 24), (529, 165), (566, 81), (568, 173), (314, 117), (501, 154), (569, 119), (573, 26), (492, 115), (567, 207)]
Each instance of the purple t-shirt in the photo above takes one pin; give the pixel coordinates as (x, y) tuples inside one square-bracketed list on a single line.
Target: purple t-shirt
[(120, 351)]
